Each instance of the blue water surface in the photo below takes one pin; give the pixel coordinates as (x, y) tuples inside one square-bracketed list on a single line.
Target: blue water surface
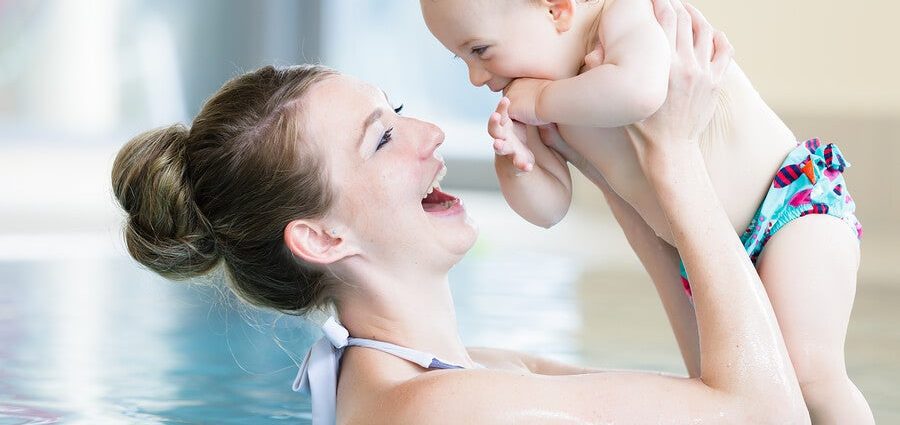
[(105, 341)]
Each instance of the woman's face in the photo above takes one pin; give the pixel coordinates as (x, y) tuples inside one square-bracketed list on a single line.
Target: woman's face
[(382, 165)]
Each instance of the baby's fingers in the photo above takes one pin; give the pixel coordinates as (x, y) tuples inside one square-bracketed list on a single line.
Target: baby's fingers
[(495, 126), (523, 159), (523, 163), (503, 110), (503, 147)]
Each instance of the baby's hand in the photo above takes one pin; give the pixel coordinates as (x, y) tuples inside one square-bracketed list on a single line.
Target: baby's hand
[(509, 137), (523, 95)]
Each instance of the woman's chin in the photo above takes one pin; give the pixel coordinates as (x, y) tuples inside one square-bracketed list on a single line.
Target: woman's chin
[(458, 238), (451, 224)]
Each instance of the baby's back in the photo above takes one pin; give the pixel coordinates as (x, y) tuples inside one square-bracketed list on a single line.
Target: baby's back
[(743, 147)]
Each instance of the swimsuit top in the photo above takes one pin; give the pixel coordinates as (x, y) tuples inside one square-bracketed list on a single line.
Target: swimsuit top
[(318, 373)]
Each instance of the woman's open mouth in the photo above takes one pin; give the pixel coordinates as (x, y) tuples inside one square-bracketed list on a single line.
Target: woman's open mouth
[(437, 202)]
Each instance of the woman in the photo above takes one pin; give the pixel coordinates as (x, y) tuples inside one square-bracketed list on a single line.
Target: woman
[(301, 216)]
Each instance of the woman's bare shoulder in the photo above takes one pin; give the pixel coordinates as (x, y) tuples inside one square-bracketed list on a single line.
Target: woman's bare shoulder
[(498, 358), (495, 396), (448, 397)]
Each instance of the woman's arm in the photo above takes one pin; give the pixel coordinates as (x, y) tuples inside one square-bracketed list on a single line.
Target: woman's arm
[(742, 350), (660, 259)]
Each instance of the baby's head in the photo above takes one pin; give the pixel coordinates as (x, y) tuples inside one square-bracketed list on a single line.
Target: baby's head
[(501, 40)]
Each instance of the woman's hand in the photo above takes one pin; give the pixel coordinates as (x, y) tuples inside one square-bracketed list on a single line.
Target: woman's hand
[(700, 57)]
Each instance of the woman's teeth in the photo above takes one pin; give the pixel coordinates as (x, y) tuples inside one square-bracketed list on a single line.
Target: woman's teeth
[(437, 181)]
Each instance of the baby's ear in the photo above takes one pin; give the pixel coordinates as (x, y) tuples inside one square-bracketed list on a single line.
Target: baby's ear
[(562, 12)]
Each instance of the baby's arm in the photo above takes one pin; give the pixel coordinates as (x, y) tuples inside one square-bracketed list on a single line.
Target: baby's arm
[(536, 184), (629, 85)]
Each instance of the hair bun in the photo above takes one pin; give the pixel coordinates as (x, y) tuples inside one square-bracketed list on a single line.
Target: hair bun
[(166, 230)]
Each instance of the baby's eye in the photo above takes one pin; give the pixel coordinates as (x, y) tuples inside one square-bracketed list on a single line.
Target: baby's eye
[(478, 51)]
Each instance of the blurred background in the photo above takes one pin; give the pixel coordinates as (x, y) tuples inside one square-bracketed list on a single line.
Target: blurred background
[(86, 336)]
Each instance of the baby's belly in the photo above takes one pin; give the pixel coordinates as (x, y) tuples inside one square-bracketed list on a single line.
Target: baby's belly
[(743, 147)]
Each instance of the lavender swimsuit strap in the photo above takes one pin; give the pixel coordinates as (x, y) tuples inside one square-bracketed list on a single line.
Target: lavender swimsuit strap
[(318, 373)]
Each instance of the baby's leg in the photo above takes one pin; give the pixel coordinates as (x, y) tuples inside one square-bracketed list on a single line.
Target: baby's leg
[(809, 271)]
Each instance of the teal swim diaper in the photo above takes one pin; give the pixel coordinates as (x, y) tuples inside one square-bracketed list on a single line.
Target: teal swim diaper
[(810, 181)]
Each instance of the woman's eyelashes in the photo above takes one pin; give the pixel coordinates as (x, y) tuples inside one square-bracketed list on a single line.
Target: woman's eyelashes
[(385, 138)]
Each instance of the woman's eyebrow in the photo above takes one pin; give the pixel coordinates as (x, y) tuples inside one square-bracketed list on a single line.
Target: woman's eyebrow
[(375, 115)]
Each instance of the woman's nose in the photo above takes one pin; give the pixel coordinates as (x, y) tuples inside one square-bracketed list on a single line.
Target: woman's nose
[(432, 138)]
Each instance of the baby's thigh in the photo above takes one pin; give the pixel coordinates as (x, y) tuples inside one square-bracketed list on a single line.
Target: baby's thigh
[(809, 270)]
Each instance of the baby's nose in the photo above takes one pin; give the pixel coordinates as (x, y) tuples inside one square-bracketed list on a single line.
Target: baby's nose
[(478, 76)]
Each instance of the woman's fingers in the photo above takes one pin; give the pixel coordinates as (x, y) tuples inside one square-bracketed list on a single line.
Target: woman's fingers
[(703, 35), (722, 56), (665, 14), (684, 33)]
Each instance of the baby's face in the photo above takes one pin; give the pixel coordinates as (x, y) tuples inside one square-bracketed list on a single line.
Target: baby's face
[(500, 40)]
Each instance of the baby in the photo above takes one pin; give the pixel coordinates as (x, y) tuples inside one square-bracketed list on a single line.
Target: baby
[(594, 68)]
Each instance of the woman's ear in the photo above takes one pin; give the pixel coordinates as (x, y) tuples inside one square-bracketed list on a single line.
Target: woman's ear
[(314, 243), (562, 12)]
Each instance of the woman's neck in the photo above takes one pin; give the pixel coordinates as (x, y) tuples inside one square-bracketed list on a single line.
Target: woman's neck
[(416, 313)]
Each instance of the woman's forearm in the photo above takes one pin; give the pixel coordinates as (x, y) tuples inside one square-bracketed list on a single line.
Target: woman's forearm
[(738, 329)]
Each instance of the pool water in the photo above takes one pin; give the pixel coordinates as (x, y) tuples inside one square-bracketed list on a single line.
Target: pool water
[(107, 342), (111, 344)]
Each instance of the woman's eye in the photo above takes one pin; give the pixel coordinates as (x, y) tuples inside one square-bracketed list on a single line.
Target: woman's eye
[(385, 138), (478, 51), (398, 109)]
